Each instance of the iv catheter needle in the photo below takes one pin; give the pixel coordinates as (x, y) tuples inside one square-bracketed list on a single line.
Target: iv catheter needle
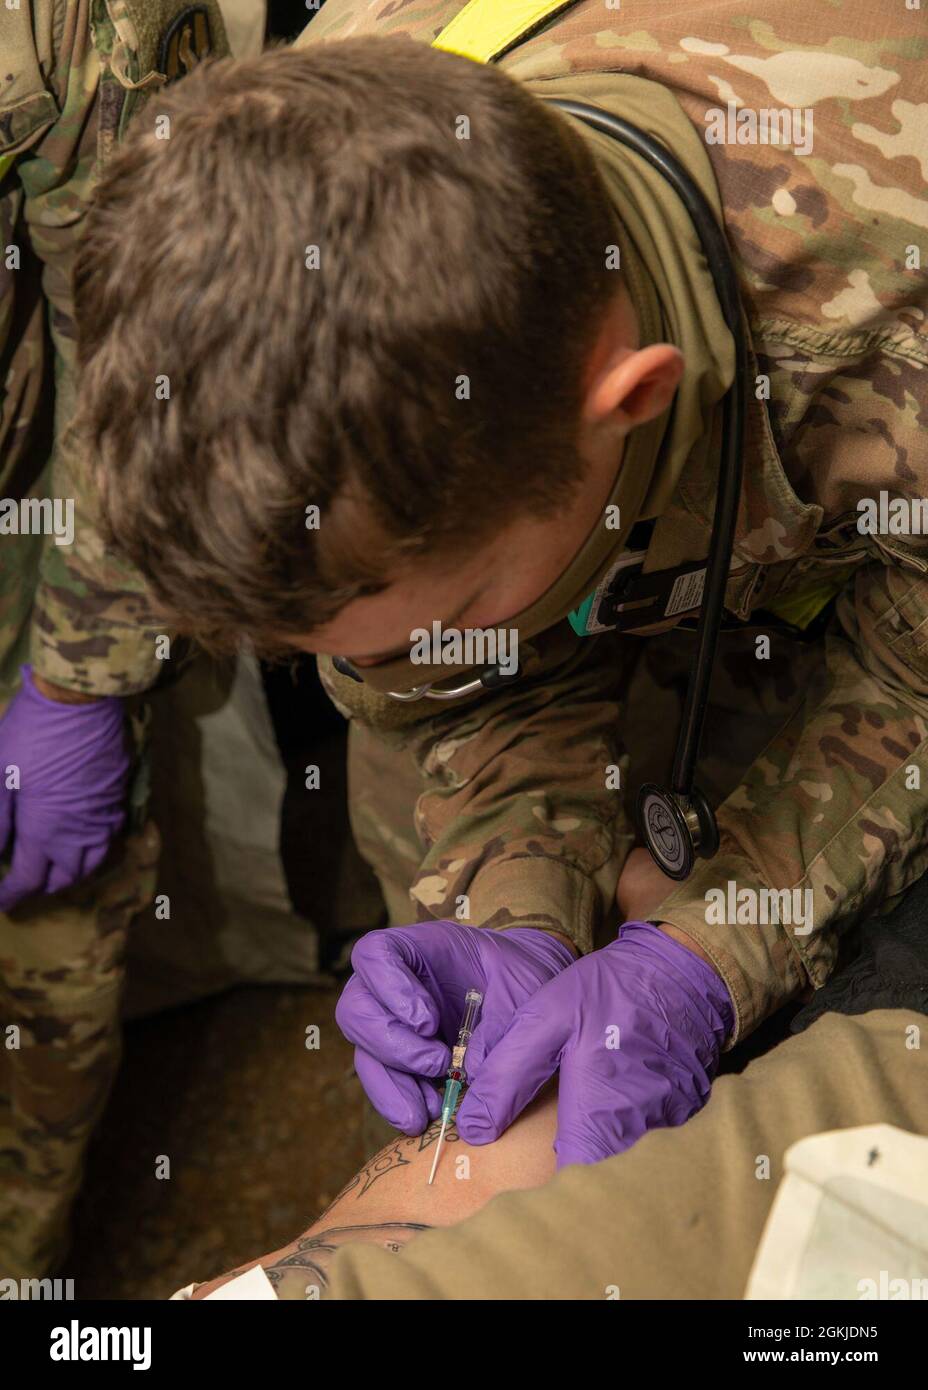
[(456, 1077), (441, 1135)]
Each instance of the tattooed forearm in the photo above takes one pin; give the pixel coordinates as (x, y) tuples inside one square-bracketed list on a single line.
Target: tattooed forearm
[(523, 1158), (394, 1156), (300, 1269)]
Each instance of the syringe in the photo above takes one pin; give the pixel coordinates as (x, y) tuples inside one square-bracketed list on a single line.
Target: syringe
[(456, 1076)]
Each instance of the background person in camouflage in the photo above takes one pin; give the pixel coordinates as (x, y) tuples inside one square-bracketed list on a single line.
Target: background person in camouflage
[(73, 76), (510, 816)]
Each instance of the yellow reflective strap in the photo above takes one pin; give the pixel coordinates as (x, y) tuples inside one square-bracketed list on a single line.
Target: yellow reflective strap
[(6, 163), (800, 608), (484, 29)]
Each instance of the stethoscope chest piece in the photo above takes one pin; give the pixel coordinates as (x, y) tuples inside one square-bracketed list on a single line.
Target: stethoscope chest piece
[(676, 829)]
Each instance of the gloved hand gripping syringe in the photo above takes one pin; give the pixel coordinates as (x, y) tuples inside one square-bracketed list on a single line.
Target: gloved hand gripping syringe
[(456, 1075)]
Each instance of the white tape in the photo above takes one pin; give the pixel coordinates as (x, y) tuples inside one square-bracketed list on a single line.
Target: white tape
[(252, 1285)]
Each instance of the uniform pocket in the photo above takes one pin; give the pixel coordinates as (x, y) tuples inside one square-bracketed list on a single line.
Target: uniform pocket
[(27, 107)]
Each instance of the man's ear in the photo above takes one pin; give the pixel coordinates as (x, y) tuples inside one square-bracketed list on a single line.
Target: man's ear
[(637, 387)]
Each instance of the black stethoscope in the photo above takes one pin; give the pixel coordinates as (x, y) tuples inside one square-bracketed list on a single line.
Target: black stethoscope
[(676, 822)]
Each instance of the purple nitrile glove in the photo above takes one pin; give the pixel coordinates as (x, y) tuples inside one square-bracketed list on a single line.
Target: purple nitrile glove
[(636, 1030), (403, 1005), (73, 768)]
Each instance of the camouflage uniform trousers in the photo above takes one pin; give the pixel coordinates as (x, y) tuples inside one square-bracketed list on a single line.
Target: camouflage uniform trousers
[(750, 701), (61, 983)]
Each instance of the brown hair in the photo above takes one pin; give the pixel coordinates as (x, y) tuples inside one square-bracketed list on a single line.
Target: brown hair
[(337, 386)]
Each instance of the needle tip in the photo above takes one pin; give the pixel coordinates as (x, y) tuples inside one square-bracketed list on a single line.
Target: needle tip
[(441, 1136)]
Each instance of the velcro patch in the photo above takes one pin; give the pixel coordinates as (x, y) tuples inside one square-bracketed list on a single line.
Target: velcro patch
[(186, 42)]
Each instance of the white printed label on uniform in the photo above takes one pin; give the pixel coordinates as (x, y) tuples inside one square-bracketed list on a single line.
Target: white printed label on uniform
[(625, 560), (686, 592)]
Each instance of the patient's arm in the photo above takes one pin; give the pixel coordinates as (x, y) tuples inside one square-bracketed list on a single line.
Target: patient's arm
[(389, 1201)]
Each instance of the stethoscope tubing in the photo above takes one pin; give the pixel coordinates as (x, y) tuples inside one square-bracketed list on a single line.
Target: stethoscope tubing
[(725, 279)]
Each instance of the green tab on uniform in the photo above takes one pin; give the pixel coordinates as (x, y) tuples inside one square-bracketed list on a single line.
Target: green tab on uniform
[(579, 617), (187, 41)]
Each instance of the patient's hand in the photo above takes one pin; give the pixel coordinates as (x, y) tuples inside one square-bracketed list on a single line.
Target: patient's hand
[(389, 1201)]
